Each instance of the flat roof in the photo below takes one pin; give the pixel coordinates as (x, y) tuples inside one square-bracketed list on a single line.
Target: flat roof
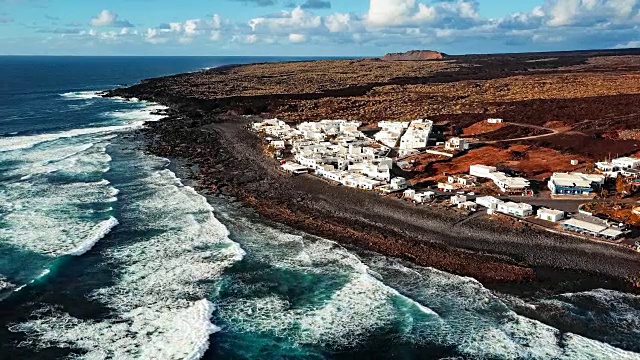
[(521, 206), (626, 158), (611, 233), (585, 225), (551, 211), (293, 166)]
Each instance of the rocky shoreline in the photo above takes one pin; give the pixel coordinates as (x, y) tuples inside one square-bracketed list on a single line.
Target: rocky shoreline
[(213, 135)]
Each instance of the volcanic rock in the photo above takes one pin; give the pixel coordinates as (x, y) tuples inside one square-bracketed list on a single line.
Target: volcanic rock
[(414, 55)]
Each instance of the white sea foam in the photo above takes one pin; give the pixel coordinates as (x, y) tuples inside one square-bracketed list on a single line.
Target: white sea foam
[(159, 301), (358, 305), (130, 119), (49, 218), (159, 333), (99, 232), (79, 106), (50, 158), (13, 143), (82, 95), (43, 215), (143, 114), (5, 284), (480, 325)]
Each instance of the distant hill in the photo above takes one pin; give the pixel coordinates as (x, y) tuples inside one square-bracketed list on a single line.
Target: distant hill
[(414, 55)]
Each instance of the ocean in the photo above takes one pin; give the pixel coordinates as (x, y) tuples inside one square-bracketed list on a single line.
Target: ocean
[(106, 254)]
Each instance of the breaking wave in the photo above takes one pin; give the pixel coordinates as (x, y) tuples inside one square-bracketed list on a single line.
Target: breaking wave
[(310, 292), (479, 324), (13, 143), (147, 113), (46, 206), (82, 95), (127, 120), (345, 303), (611, 316), (101, 231), (164, 279)]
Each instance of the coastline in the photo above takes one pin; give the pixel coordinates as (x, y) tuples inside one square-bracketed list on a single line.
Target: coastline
[(513, 260), (502, 256)]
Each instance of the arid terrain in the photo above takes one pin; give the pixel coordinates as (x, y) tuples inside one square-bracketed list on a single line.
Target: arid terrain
[(559, 107)]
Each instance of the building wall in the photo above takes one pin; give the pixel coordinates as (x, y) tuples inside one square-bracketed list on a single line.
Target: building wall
[(564, 190)]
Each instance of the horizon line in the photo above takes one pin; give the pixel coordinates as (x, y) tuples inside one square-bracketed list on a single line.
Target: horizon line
[(331, 56)]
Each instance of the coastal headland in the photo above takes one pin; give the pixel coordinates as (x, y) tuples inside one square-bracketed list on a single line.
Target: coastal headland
[(576, 104)]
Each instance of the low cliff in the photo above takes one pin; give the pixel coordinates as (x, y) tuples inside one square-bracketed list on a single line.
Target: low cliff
[(414, 55)]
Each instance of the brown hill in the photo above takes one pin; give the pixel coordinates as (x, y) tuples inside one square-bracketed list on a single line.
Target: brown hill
[(414, 55)]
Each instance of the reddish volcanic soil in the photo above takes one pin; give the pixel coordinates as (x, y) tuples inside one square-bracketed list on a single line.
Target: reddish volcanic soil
[(482, 127), (535, 162)]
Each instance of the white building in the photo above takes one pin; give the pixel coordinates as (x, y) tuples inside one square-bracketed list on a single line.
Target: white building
[(465, 180), (517, 209), (626, 163), (458, 199), (577, 184), (592, 229), (495, 121), (468, 205), (616, 166), (509, 184), (381, 171), (489, 202), (294, 168), (360, 182), (481, 171), (270, 123), (391, 132), (456, 144), (550, 214), (278, 144), (446, 187), (409, 194), (506, 184), (424, 197), (329, 172), (417, 135), (418, 197), (310, 160), (398, 183)]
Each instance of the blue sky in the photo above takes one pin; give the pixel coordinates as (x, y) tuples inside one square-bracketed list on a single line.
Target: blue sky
[(313, 27)]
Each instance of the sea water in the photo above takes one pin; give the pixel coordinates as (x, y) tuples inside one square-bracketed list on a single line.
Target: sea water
[(106, 254)]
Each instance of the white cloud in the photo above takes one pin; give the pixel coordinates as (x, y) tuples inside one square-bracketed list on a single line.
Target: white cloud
[(297, 38), (389, 12), (186, 32), (592, 12), (108, 18), (152, 37), (338, 22), (396, 25), (286, 21), (251, 39), (396, 13), (629, 45)]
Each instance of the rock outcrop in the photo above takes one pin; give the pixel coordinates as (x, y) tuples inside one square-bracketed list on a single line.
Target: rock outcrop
[(414, 55)]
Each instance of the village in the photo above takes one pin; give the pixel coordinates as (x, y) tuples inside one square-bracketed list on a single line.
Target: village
[(381, 160)]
